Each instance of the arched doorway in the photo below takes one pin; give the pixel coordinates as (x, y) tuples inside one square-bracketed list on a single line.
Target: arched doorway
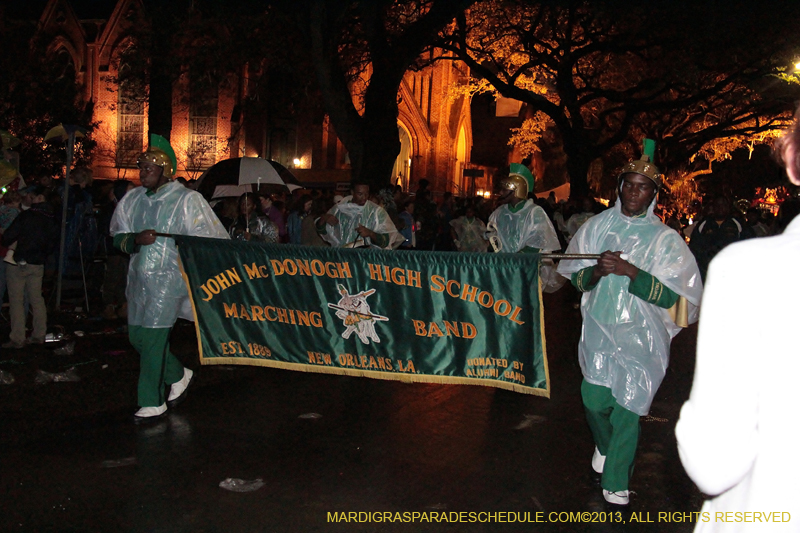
[(401, 173), (461, 185)]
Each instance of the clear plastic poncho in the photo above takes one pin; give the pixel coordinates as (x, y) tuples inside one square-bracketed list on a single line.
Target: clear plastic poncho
[(350, 216), (575, 222), (470, 234), (156, 292), (260, 228), (530, 226), (625, 341)]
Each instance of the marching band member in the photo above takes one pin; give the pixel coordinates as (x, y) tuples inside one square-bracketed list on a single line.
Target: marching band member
[(156, 292), (627, 326)]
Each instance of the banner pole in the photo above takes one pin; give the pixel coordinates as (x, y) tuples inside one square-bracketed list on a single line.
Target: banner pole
[(557, 257)]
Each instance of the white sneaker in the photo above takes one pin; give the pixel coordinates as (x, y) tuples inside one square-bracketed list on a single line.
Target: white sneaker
[(150, 412), (598, 461), (178, 388), (617, 498)]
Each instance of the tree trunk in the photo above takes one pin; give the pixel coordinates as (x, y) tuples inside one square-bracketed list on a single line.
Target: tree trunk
[(381, 141), (578, 163), (380, 151), (160, 106)]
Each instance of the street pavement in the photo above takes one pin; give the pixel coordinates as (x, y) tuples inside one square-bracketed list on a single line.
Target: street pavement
[(72, 460)]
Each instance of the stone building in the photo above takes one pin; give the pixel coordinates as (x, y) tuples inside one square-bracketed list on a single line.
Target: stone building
[(435, 131)]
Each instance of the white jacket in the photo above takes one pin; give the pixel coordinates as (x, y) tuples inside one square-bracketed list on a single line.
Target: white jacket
[(739, 433)]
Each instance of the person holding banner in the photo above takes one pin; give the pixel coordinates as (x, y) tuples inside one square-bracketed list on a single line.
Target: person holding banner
[(518, 224), (358, 222), (157, 295), (627, 326)]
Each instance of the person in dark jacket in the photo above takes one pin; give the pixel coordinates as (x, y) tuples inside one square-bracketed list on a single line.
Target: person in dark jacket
[(719, 229), (115, 279), (36, 233)]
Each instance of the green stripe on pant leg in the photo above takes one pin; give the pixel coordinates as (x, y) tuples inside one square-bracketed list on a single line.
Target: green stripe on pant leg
[(158, 367), (616, 434)]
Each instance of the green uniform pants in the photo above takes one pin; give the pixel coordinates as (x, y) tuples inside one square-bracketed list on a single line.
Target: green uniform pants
[(616, 434), (157, 365)]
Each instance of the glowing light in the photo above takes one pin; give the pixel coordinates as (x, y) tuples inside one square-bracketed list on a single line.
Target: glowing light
[(797, 66), (296, 161)]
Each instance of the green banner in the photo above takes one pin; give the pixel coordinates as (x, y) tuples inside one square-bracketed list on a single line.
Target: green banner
[(435, 317)]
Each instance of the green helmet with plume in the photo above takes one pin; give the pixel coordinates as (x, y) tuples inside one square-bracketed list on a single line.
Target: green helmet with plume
[(519, 179), (160, 153), (645, 166)]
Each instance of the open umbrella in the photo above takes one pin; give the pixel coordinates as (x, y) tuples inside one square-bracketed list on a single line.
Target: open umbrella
[(226, 191), (290, 179), (7, 140), (8, 173), (243, 172), (62, 133)]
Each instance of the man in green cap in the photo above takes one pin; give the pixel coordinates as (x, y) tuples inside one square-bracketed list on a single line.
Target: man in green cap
[(518, 224), (643, 270), (157, 294)]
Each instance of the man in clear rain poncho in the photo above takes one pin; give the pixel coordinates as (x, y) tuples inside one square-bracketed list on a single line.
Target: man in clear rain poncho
[(156, 292), (519, 225), (645, 275), (469, 232), (357, 222)]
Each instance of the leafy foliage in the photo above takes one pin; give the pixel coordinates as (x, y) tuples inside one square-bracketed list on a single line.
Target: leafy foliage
[(607, 74), (38, 93)]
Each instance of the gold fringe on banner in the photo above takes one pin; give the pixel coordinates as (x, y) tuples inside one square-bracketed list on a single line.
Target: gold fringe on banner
[(406, 378)]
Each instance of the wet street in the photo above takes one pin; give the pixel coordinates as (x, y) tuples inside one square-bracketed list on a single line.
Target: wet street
[(72, 460)]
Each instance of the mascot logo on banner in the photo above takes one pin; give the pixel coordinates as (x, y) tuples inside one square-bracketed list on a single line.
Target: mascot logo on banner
[(356, 315)]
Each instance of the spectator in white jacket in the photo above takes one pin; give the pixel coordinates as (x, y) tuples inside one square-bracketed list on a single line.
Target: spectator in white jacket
[(738, 433)]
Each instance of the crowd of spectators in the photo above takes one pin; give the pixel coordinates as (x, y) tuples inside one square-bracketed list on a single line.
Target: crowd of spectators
[(447, 223)]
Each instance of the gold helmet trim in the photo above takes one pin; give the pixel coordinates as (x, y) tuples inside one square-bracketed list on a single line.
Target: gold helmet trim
[(519, 179), (159, 158), (515, 183), (644, 167)]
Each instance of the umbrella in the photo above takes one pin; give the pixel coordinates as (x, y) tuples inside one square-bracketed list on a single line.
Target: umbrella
[(290, 179), (7, 140), (226, 191), (62, 133), (8, 173), (243, 172)]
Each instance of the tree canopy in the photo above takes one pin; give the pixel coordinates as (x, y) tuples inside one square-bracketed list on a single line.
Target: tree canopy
[(38, 92), (606, 74), (601, 74)]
